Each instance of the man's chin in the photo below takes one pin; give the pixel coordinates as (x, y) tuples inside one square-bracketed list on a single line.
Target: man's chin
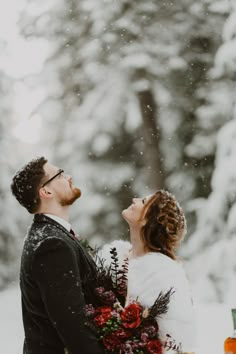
[(76, 195), (77, 192)]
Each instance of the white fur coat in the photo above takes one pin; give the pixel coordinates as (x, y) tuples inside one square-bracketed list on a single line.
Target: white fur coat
[(152, 273)]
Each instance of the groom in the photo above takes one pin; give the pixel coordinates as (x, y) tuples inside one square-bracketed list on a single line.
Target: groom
[(54, 267)]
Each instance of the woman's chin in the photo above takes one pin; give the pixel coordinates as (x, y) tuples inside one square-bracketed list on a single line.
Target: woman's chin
[(124, 214)]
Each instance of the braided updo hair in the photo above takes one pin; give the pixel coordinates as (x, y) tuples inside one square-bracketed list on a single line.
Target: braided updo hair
[(165, 225)]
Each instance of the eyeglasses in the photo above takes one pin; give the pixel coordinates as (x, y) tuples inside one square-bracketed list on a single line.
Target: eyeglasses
[(52, 178)]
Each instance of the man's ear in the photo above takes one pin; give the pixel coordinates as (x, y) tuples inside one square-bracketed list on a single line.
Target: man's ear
[(44, 193)]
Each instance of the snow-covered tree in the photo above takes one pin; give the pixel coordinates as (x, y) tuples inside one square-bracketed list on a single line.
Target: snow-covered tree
[(211, 247), (11, 219), (122, 85)]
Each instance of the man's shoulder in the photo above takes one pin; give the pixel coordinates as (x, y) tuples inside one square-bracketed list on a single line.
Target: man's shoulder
[(42, 230)]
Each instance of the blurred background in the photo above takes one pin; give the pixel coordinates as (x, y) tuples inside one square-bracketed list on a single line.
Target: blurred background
[(127, 97)]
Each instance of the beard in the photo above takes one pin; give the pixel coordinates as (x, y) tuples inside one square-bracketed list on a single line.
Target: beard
[(76, 193)]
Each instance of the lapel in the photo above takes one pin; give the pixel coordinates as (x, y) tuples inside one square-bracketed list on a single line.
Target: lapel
[(41, 218)]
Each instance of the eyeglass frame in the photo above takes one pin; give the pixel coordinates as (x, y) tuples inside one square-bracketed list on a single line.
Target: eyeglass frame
[(52, 178)]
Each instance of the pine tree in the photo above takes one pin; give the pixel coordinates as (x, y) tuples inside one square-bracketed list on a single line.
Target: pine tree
[(211, 247), (123, 83), (11, 219)]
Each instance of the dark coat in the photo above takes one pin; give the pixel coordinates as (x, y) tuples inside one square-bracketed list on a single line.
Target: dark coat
[(54, 285)]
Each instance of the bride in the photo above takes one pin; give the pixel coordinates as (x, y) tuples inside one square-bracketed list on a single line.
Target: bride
[(157, 226)]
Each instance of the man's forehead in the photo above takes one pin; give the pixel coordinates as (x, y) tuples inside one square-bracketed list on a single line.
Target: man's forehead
[(50, 168)]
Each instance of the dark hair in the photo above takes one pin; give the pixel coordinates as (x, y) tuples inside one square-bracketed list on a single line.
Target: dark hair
[(165, 224), (26, 182)]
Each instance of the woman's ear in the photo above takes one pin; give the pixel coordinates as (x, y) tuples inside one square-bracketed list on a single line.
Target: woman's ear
[(44, 193)]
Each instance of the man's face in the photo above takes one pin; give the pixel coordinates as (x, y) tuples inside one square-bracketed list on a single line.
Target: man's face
[(61, 186)]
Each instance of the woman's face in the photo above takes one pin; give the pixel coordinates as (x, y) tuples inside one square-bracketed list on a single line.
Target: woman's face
[(135, 213)]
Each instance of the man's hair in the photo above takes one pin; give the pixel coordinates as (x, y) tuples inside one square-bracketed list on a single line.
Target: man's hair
[(26, 184)]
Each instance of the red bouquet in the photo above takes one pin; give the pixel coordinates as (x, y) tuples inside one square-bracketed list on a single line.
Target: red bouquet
[(130, 329)]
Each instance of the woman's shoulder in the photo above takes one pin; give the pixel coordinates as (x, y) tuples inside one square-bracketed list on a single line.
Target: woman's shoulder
[(157, 265), (157, 258)]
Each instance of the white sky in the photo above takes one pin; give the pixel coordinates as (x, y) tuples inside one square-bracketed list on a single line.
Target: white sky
[(20, 58)]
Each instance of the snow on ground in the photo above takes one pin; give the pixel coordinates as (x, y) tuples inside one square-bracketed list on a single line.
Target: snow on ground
[(214, 324), (11, 331)]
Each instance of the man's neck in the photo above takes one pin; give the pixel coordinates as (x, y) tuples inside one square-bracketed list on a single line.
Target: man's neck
[(60, 211), (59, 220)]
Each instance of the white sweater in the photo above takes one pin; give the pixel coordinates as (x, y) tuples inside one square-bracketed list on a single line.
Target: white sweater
[(155, 272)]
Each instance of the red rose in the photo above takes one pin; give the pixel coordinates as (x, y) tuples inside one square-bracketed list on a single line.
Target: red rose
[(115, 339), (154, 347), (131, 316), (111, 341), (122, 333), (104, 314)]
